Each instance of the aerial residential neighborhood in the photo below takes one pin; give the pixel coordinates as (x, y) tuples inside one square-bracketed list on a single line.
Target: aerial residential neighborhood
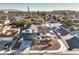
[(38, 32)]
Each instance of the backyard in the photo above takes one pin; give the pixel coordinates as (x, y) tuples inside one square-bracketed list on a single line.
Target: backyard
[(51, 44)]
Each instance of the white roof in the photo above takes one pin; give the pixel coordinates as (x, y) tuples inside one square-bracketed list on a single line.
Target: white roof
[(51, 31), (46, 25), (30, 30), (6, 38), (48, 34), (55, 24)]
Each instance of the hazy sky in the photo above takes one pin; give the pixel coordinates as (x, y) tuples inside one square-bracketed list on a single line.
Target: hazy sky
[(40, 6)]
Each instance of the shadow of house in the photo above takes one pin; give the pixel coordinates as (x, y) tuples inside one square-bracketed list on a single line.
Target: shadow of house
[(62, 31), (27, 36), (73, 42)]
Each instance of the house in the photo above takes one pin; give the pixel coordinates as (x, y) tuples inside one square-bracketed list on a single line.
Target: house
[(7, 34), (36, 21), (75, 21), (31, 29), (7, 21), (54, 23)]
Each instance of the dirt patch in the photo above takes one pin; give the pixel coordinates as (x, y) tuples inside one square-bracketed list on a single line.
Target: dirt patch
[(46, 45)]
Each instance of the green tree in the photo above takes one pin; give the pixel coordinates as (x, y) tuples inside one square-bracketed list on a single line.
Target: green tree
[(28, 21), (67, 23), (33, 41), (43, 15), (20, 22), (72, 28)]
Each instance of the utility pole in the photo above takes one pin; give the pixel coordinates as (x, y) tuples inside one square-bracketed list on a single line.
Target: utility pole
[(28, 9), (28, 12)]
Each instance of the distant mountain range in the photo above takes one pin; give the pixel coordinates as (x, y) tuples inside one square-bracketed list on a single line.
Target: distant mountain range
[(13, 10)]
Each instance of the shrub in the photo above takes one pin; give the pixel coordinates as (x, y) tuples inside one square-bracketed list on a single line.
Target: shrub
[(33, 41)]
